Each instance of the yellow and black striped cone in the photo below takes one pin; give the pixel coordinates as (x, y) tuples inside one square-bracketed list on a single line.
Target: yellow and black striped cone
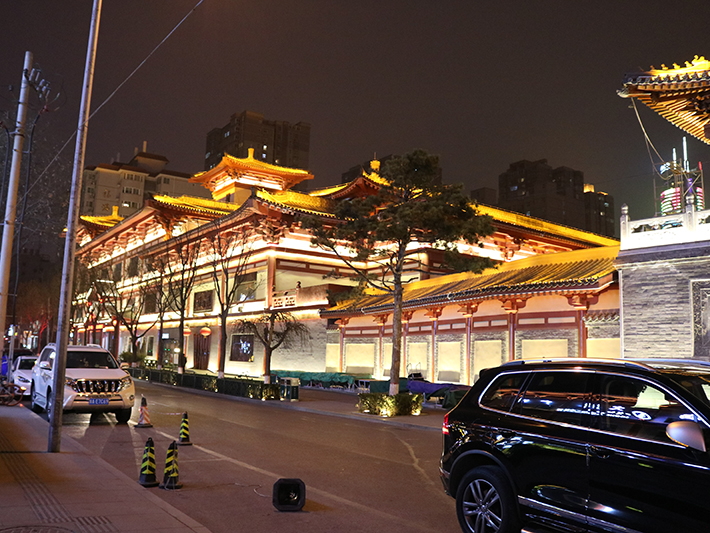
[(147, 477), (184, 439), (144, 417), (171, 480)]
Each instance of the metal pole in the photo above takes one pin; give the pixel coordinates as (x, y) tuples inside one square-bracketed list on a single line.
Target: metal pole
[(22, 220), (63, 317), (9, 227)]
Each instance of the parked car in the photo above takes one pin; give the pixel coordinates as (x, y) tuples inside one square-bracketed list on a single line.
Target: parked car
[(582, 445), (22, 372), (16, 353), (94, 382)]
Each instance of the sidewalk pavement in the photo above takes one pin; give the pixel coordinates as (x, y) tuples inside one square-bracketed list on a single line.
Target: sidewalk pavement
[(42, 492)]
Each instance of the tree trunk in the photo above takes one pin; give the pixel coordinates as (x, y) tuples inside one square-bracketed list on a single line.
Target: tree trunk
[(159, 356), (181, 348), (396, 336), (222, 344), (267, 363)]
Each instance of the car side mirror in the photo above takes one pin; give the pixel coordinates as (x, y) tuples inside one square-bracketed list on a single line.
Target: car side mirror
[(686, 433), (124, 365), (45, 365)]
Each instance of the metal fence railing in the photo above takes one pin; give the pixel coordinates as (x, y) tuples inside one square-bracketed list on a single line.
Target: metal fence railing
[(232, 386)]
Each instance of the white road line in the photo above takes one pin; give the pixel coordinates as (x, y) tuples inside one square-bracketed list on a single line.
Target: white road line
[(323, 493)]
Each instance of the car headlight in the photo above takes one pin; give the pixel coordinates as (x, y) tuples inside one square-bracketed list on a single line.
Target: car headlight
[(71, 383), (125, 383), (22, 379)]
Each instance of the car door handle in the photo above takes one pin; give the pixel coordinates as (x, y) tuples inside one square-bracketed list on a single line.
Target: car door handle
[(601, 453)]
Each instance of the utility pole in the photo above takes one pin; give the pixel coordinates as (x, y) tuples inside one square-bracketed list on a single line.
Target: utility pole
[(63, 318), (11, 207)]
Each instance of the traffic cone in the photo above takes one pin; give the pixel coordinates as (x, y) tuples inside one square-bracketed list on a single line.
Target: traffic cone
[(144, 417), (171, 480), (147, 477), (184, 439)]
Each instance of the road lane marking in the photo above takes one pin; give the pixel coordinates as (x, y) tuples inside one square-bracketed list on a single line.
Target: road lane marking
[(364, 508)]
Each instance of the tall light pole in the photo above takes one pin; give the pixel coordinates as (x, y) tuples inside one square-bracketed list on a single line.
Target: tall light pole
[(60, 359), (11, 207)]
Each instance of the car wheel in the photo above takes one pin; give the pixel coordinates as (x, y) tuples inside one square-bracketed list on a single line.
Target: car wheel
[(36, 407), (485, 502), (123, 416)]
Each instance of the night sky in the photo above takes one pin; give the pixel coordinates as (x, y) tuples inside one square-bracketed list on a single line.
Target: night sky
[(482, 84)]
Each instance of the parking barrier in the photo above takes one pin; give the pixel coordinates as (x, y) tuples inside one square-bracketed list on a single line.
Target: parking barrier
[(147, 477), (184, 439), (171, 479), (144, 416)]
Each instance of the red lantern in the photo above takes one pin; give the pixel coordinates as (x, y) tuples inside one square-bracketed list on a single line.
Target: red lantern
[(205, 332), (186, 332)]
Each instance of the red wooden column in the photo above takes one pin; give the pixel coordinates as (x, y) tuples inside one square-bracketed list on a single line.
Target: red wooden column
[(434, 313), (468, 310), (342, 322), (380, 320), (511, 307), (406, 318), (581, 303)]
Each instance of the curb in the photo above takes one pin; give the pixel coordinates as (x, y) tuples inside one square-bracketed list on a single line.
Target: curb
[(290, 405)]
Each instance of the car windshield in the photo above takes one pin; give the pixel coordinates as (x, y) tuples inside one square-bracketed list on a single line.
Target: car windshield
[(25, 364), (90, 360)]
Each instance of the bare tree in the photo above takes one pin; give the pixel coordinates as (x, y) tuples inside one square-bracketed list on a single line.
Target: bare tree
[(160, 299), (125, 309), (231, 250), (36, 306), (275, 329), (180, 276)]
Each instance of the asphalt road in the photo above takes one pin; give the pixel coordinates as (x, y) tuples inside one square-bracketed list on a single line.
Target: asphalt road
[(359, 475)]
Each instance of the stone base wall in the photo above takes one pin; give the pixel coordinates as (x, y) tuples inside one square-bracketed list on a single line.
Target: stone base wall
[(664, 311)]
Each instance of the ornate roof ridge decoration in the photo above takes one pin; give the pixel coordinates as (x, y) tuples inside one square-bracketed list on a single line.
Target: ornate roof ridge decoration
[(606, 316), (681, 95), (248, 172), (543, 226), (365, 182), (196, 204), (107, 221), (299, 201), (565, 272)]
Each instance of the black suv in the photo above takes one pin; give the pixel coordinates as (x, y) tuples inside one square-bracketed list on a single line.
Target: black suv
[(582, 445)]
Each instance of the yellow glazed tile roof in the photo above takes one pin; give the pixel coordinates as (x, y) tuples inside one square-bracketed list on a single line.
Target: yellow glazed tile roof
[(195, 204), (107, 221), (299, 201), (538, 224), (678, 94), (249, 163), (558, 272)]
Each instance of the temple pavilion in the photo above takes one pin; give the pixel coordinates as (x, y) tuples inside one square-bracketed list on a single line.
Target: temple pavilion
[(555, 292)]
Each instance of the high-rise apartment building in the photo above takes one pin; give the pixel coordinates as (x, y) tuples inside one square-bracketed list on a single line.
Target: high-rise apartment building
[(274, 141), (556, 194), (127, 185)]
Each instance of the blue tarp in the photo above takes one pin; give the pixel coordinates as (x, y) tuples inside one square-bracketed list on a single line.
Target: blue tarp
[(427, 387)]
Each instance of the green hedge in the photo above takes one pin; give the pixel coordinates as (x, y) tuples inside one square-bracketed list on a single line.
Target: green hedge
[(381, 404), (247, 388)]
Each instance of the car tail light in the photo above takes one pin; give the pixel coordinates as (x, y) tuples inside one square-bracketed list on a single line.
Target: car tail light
[(445, 426)]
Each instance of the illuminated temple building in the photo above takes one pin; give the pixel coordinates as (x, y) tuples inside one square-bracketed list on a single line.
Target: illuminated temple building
[(664, 261), (555, 293)]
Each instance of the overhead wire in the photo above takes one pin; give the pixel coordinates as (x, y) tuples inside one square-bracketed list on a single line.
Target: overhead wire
[(649, 143), (110, 96)]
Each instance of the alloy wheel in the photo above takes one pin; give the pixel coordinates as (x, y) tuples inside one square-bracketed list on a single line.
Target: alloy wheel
[(482, 507)]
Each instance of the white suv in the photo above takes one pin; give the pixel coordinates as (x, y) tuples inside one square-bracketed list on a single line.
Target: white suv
[(94, 382)]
